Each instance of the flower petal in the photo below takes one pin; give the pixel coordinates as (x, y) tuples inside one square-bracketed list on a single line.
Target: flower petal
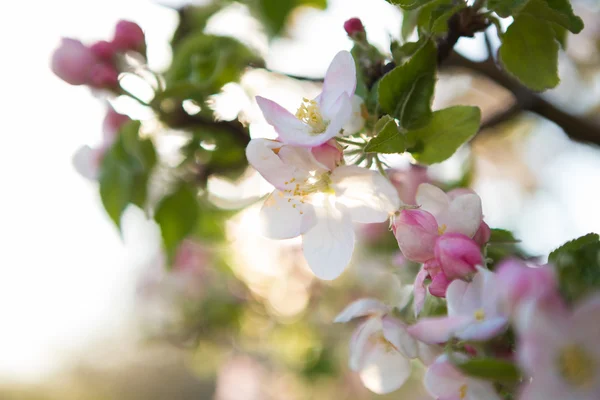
[(464, 215), (586, 320), (384, 369), (284, 217), (362, 308), (361, 342), (339, 114), (432, 199), (86, 162), (368, 196), (484, 330), (420, 291), (328, 246), (438, 329), (442, 378), (395, 332), (340, 78), (481, 390), (288, 127), (357, 121)]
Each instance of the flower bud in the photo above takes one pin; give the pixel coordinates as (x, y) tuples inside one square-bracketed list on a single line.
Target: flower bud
[(104, 76), (129, 36), (482, 236), (72, 61), (113, 121), (329, 154), (416, 232), (103, 50), (354, 26), (458, 255), (439, 284), (407, 181)]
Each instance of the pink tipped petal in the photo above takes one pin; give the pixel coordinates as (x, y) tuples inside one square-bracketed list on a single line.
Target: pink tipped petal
[(338, 116), (416, 233), (484, 330), (289, 128), (482, 236), (384, 369), (437, 330), (340, 78), (329, 155), (368, 196), (395, 332), (464, 215), (455, 296), (432, 199), (362, 308), (279, 219), (443, 379), (458, 255), (439, 285), (262, 155), (72, 62), (420, 292), (328, 246)]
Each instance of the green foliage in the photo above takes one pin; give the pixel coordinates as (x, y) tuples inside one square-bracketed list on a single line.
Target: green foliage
[(400, 53), (506, 8), (557, 11), (529, 51), (434, 16), (491, 369), (388, 137), (193, 19), (125, 170), (406, 92), (410, 4), (442, 136), (409, 23), (177, 215), (578, 267), (274, 13), (502, 236)]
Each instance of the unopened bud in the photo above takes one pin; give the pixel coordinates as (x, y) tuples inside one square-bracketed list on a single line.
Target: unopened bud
[(416, 232), (103, 50), (72, 62), (129, 36), (354, 27), (104, 76), (458, 255)]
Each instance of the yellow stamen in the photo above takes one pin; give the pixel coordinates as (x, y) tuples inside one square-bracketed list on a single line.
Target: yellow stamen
[(462, 392), (576, 366), (309, 113), (442, 229), (479, 315)]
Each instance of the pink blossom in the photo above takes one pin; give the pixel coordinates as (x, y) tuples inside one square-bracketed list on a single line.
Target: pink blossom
[(416, 232), (129, 36), (104, 76), (354, 26), (560, 352), (473, 313), (329, 154), (445, 382), (458, 255), (113, 122), (407, 181), (72, 62), (483, 234), (322, 118), (103, 50)]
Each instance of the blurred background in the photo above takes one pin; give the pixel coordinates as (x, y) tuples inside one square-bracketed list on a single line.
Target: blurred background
[(88, 313)]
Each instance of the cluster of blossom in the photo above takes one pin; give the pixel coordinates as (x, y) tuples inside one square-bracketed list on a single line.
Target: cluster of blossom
[(318, 197), (98, 65)]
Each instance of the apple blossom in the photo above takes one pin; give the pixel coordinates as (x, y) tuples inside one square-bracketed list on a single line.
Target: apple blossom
[(416, 232), (380, 348), (322, 118), (129, 36), (103, 50), (72, 62), (457, 255), (445, 382), (354, 26), (318, 203), (407, 182), (473, 312), (560, 352), (483, 234)]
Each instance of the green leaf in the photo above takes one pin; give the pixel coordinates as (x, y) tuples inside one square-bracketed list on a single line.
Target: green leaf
[(506, 8), (530, 53), (274, 13), (434, 16), (177, 215), (557, 11), (560, 33), (388, 137), (578, 267), (400, 53), (502, 236), (442, 136), (410, 4), (409, 23), (491, 369), (406, 92), (115, 188)]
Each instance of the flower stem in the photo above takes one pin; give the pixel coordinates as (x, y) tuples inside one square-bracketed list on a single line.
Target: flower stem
[(380, 166), (352, 142)]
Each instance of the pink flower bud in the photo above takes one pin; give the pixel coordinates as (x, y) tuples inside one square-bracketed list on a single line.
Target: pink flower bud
[(113, 121), (518, 282), (416, 232), (482, 236), (103, 50), (354, 26), (439, 284), (72, 61), (129, 36), (329, 154), (458, 255), (104, 76), (407, 182)]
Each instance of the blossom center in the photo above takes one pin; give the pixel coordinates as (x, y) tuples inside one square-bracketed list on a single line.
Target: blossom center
[(479, 315), (379, 339), (442, 229), (309, 113), (462, 392), (576, 366)]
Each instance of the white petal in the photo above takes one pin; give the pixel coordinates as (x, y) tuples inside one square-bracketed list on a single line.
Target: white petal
[(368, 195), (302, 158), (464, 215), (361, 342), (432, 199), (362, 308), (339, 78), (442, 379), (283, 219), (86, 162), (288, 127), (356, 122), (465, 298), (337, 116), (480, 390), (395, 332), (328, 246), (384, 369)]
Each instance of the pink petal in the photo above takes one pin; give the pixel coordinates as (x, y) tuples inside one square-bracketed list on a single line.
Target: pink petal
[(289, 128), (420, 292), (484, 330), (340, 78), (362, 308), (395, 332), (443, 379), (416, 232), (439, 285), (438, 329)]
